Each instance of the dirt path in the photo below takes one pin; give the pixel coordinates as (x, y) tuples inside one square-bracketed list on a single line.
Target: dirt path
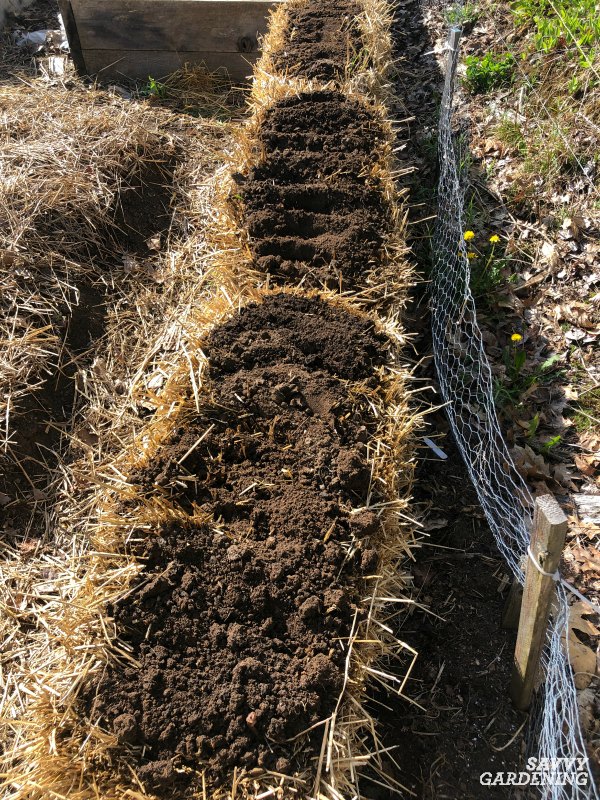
[(466, 723)]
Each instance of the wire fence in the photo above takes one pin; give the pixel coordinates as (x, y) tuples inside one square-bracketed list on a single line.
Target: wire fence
[(466, 385)]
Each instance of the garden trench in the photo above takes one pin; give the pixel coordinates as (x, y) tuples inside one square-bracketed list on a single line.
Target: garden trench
[(260, 508), (72, 255), (242, 618)]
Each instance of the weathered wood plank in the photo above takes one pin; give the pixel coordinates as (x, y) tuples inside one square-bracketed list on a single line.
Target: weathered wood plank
[(185, 26), (588, 508), (116, 64), (547, 541), (66, 11)]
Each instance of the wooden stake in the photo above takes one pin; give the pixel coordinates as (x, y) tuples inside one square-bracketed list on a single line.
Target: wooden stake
[(547, 542)]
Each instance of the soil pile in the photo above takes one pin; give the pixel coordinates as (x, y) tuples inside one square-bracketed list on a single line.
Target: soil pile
[(314, 213), (240, 625), (322, 40)]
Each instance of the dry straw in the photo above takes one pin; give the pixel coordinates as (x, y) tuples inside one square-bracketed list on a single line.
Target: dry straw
[(55, 620), (67, 156)]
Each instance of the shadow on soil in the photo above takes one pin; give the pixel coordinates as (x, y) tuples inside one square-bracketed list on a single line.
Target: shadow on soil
[(141, 211), (459, 722)]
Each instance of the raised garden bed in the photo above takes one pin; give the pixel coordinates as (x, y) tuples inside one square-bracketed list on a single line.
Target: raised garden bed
[(135, 39)]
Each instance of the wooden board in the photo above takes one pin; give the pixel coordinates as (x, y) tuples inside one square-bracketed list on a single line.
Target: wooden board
[(182, 26), (139, 65)]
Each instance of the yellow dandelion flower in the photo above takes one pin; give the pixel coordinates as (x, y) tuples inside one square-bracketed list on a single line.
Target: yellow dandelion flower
[(471, 255), (516, 337), (494, 239), (468, 235)]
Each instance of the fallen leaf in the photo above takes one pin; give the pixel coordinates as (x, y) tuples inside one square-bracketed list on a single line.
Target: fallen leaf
[(586, 700), (435, 523), (583, 661), (588, 558), (156, 381), (153, 243), (578, 621), (7, 258), (563, 476), (549, 254), (587, 464), (530, 464), (87, 436)]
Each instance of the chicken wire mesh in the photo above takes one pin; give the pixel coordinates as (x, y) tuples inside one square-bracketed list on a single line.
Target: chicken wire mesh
[(466, 385)]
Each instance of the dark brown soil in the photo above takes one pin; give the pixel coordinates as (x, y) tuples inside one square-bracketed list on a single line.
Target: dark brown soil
[(240, 625), (312, 212), (143, 206), (467, 725), (322, 40)]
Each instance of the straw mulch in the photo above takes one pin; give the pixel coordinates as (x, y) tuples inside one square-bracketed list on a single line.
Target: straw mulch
[(150, 363), (72, 162)]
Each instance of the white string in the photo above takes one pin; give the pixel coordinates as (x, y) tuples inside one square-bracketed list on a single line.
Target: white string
[(557, 578), (554, 575)]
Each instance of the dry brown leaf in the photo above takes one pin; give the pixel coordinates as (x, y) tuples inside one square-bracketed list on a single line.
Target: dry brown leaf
[(549, 254), (583, 661), (564, 476), (588, 558), (529, 464), (7, 258), (587, 464), (435, 523), (576, 314), (578, 621)]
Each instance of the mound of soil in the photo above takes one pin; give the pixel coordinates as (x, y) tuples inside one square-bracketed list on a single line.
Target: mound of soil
[(239, 625), (312, 211), (321, 40)]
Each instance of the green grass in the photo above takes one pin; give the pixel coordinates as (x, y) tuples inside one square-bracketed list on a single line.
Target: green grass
[(511, 134), (587, 411)]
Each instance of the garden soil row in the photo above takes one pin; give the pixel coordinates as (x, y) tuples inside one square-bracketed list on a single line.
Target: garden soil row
[(240, 620), (321, 40), (240, 625), (315, 214)]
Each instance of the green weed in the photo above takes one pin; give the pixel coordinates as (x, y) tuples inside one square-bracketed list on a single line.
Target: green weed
[(563, 24), (489, 72), (154, 88), (517, 381), (463, 15)]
